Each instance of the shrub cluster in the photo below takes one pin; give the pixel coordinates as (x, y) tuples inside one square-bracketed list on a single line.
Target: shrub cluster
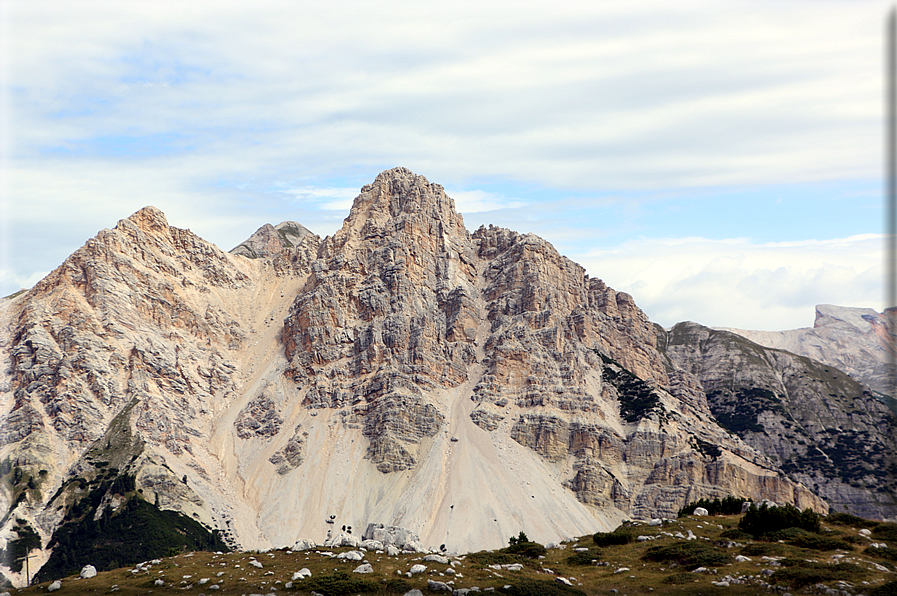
[(727, 506), (541, 587), (582, 558), (339, 583), (798, 573), (618, 537), (689, 555), (764, 519)]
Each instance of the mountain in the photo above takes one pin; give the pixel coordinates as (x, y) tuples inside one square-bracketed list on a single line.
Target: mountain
[(404, 371), (855, 340), (823, 428)]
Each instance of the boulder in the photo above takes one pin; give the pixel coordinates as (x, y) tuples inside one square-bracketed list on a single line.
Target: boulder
[(366, 568), (701, 512), (88, 571)]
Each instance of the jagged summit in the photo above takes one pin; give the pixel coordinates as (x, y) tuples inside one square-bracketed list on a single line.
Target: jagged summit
[(270, 240)]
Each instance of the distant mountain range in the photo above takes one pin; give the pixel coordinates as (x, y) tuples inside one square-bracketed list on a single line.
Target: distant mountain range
[(461, 387)]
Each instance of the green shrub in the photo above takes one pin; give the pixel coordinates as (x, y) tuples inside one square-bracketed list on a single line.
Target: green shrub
[(888, 589), (487, 557), (338, 583), (845, 519), (690, 555), (581, 558), (817, 542), (886, 532), (736, 534), (397, 586), (678, 578), (618, 537), (764, 519), (728, 506), (799, 573), (541, 588), (785, 534), (764, 550), (888, 554), (530, 550)]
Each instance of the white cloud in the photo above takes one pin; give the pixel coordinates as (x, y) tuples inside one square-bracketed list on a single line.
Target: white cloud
[(736, 283), (479, 201), (227, 115)]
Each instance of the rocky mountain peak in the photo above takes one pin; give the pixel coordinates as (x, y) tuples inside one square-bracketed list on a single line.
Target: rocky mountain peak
[(400, 200), (270, 240)]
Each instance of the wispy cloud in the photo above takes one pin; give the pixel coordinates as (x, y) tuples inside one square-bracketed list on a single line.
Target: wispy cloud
[(227, 115), (736, 283)]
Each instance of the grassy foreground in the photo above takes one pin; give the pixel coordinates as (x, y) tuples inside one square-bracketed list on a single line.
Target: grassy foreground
[(837, 560)]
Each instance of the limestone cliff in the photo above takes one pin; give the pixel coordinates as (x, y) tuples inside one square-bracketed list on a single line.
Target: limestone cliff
[(403, 372)]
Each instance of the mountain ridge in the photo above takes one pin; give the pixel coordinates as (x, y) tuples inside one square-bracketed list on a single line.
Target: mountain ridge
[(402, 371)]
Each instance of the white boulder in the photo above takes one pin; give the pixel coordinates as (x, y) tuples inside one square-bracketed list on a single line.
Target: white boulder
[(88, 571)]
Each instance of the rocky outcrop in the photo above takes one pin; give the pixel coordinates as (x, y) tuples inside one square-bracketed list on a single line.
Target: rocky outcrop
[(822, 427)]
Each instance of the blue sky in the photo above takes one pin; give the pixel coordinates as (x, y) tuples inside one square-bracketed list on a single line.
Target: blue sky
[(721, 161)]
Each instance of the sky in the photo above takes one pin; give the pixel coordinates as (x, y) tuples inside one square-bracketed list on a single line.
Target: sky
[(721, 161)]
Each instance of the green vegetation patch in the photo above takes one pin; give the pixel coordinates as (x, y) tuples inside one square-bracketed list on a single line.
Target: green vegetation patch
[(337, 584), (735, 534), (739, 412), (636, 397), (18, 548), (727, 506), (138, 532), (582, 558), (541, 588), (888, 589), (846, 519), (689, 555), (799, 573), (886, 532), (764, 519), (678, 578), (618, 537)]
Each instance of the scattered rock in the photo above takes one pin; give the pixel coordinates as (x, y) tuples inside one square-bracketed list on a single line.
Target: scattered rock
[(415, 569), (437, 559), (701, 512), (366, 568), (88, 571), (54, 586), (436, 586)]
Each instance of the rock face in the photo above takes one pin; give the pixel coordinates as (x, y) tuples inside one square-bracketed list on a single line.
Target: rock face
[(854, 340), (402, 372), (270, 240), (823, 428)]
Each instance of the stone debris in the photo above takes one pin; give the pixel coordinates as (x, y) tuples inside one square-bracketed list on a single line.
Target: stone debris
[(435, 586), (301, 574), (351, 555), (56, 585), (366, 568), (415, 569), (437, 559)]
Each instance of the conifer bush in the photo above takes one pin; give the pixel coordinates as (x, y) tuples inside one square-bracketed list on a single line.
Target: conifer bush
[(764, 519)]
